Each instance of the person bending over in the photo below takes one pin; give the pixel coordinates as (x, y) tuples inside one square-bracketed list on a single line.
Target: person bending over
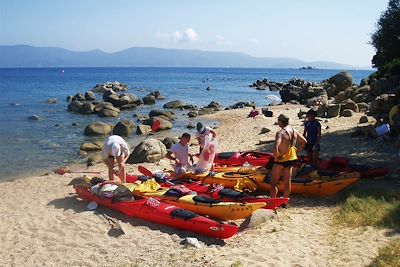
[(312, 133), (180, 154), (285, 155), (201, 134), (115, 149)]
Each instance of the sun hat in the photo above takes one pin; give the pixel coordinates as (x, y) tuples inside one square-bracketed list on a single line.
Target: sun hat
[(200, 127), (115, 150)]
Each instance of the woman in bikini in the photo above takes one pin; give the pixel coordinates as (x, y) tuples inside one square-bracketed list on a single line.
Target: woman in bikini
[(285, 155)]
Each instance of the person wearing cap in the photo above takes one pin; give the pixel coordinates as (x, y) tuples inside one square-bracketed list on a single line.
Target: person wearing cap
[(285, 155), (115, 148), (202, 133), (312, 133), (180, 154)]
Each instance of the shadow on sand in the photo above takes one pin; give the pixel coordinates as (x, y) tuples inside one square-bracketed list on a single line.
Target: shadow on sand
[(72, 202)]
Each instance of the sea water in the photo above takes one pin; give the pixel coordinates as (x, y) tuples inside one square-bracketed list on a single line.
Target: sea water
[(30, 147)]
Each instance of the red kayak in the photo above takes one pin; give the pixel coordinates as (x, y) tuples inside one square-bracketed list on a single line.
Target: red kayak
[(335, 164), (158, 212), (216, 192)]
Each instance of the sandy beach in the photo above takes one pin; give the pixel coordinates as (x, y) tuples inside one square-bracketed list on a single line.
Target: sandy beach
[(44, 224)]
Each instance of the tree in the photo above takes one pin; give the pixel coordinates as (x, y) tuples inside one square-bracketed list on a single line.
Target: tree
[(386, 38)]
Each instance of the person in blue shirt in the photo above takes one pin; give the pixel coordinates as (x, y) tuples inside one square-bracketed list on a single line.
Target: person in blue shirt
[(312, 132)]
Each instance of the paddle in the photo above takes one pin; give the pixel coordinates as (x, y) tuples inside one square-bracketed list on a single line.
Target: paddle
[(154, 127), (145, 171), (63, 171)]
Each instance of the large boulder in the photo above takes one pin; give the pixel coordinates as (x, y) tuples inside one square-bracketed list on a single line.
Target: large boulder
[(363, 82), (382, 86), (206, 111), (169, 142), (383, 103), (347, 113), (164, 123), (89, 95), (126, 99), (349, 104), (340, 97), (107, 93), (75, 106), (363, 107), (175, 104), (361, 97), (91, 147), (94, 158), (143, 129), (150, 150), (109, 111), (78, 96), (97, 128), (362, 89), (159, 112), (149, 100), (87, 108), (124, 128), (192, 114), (333, 110), (342, 81), (215, 105), (290, 93)]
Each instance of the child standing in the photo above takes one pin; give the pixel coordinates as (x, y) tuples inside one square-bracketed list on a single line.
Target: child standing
[(312, 132)]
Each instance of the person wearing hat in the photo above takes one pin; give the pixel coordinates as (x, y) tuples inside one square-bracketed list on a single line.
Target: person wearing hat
[(202, 133), (180, 154), (285, 155), (115, 149), (312, 133)]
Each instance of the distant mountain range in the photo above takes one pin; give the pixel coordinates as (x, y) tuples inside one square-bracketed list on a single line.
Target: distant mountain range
[(14, 56)]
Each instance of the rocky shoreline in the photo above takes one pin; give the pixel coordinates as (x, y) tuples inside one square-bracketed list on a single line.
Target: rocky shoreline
[(336, 96)]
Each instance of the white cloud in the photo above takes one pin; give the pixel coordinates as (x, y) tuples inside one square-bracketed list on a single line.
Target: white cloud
[(255, 41), (187, 36), (222, 41)]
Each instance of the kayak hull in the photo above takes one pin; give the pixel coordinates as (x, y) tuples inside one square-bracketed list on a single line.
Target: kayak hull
[(162, 213)]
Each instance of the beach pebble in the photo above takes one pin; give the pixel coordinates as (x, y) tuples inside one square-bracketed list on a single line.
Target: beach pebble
[(265, 130), (192, 241)]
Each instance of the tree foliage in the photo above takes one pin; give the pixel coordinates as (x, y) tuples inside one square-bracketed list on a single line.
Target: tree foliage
[(386, 38)]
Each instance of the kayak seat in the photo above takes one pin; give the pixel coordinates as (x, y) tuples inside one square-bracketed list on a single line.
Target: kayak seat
[(229, 193), (143, 178), (172, 193), (327, 173), (226, 155), (96, 180), (205, 199), (183, 214)]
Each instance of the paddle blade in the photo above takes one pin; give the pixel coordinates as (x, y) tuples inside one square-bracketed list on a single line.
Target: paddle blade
[(155, 126), (145, 171)]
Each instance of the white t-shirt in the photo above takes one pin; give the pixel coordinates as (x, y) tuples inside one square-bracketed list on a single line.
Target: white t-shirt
[(181, 153), (115, 139), (202, 136)]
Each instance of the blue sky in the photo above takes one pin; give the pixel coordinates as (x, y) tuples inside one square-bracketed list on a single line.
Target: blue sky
[(309, 30)]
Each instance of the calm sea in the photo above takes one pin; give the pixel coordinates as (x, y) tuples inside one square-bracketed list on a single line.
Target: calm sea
[(31, 147)]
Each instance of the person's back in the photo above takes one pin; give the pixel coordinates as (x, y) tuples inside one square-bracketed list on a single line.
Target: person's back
[(288, 138)]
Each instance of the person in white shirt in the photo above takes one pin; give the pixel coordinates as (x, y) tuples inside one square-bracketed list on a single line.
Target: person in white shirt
[(180, 154), (115, 148), (201, 134)]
